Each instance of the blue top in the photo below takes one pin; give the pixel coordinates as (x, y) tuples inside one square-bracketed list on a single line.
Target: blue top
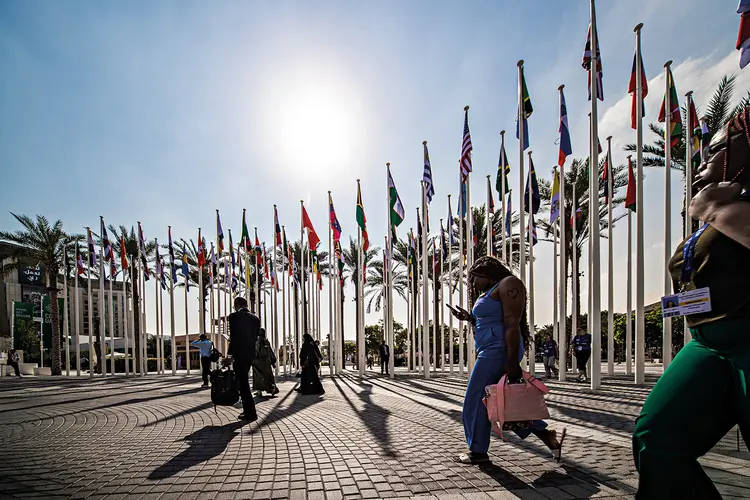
[(489, 331), (205, 346), (549, 348), (582, 342)]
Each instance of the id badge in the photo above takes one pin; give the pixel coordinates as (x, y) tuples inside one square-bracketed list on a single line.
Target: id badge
[(686, 303)]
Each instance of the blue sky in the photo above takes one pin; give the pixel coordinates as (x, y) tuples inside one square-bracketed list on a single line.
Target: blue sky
[(165, 111)]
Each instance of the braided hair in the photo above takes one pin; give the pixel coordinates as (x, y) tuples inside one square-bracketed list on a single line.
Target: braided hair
[(496, 271)]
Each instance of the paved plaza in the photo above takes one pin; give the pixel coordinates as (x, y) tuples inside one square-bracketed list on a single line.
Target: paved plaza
[(159, 437)]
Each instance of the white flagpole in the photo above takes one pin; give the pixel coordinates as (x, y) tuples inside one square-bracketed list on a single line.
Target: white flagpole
[(441, 306), (503, 189), (412, 308), (302, 270), (595, 313), (111, 326), (574, 271), (521, 177), (629, 300), (469, 262), (450, 291), (66, 326), (171, 314), (187, 329), (555, 282), (161, 328), (131, 315), (461, 267), (562, 325), (156, 315), (141, 307), (425, 291), (640, 327), (78, 321), (331, 318), (610, 266), (435, 299), (488, 216), (91, 314), (389, 274), (101, 309), (688, 186), (667, 322), (125, 329), (530, 286), (275, 286)]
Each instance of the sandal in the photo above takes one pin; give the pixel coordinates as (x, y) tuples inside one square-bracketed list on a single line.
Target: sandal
[(471, 458), (557, 449)]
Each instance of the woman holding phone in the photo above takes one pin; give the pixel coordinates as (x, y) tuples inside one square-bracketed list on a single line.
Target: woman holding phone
[(501, 332)]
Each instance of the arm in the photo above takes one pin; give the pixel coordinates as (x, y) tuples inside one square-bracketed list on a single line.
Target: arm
[(720, 206), (512, 294)]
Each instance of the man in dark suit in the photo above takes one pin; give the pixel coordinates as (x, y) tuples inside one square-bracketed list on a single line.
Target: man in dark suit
[(243, 332), (385, 354)]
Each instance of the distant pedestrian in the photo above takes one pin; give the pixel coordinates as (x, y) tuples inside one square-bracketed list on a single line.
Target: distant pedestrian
[(370, 362), (310, 358), (501, 332), (205, 346), (13, 360), (549, 355), (265, 359), (582, 351), (179, 362), (385, 355), (243, 334)]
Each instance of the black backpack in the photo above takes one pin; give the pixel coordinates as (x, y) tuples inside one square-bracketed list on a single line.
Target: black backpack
[(225, 390), (215, 354)]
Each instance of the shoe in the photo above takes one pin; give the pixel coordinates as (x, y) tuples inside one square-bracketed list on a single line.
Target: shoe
[(205, 384), (248, 418)]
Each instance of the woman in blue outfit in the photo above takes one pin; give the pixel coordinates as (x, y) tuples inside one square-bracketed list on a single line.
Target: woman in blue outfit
[(501, 332)]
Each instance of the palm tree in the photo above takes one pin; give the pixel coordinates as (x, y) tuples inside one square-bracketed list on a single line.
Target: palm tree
[(375, 288), (351, 270), (43, 243)]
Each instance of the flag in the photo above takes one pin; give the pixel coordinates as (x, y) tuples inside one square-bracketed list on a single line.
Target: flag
[(109, 255), (675, 118), (577, 216), (79, 263), (466, 148), (123, 256), (533, 230), (705, 139), (462, 201), (527, 109), (245, 237), (426, 175), (443, 242), (258, 250), (603, 183), (410, 255), (474, 234), (142, 244), (312, 236), (201, 251), (171, 257), (503, 168), (566, 149), (632, 89), (185, 266), (694, 126), (490, 218), (264, 257), (231, 251), (630, 199), (362, 220), (92, 251), (240, 269), (334, 220), (419, 231), (450, 224), (586, 63), (554, 211), (277, 227), (219, 234), (397, 208), (743, 33), (213, 270), (533, 184), (160, 269), (508, 218)]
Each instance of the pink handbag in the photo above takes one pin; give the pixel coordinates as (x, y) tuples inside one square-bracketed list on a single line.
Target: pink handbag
[(522, 402)]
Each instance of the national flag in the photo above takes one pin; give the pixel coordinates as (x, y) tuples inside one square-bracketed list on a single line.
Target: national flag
[(554, 211), (214, 268), (92, 251), (743, 33), (532, 223), (443, 242), (503, 169), (109, 255), (219, 234), (705, 139), (450, 224), (277, 227), (577, 216), (397, 213), (630, 198), (264, 257), (466, 148), (490, 217), (362, 220), (419, 231), (632, 87), (245, 238), (258, 250), (426, 175), (79, 262), (694, 126), (171, 257), (123, 256), (508, 213), (526, 110), (566, 149), (240, 268), (185, 266), (603, 182), (334, 220), (201, 251), (675, 118), (474, 233), (160, 269), (142, 244), (533, 184), (231, 251), (462, 201), (312, 236), (586, 63)]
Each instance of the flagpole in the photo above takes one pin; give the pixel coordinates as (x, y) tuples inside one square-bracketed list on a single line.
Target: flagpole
[(111, 310), (173, 361), (126, 330), (441, 307), (131, 315), (610, 267), (629, 299), (331, 318), (667, 322), (91, 308), (555, 282), (574, 271), (469, 262), (521, 176), (142, 309), (102, 318), (412, 303), (66, 325), (78, 322), (562, 221), (425, 290), (275, 286), (389, 273), (488, 216), (640, 327), (450, 287), (187, 329), (530, 287), (688, 184), (461, 264), (161, 327), (435, 300), (503, 189), (156, 314)]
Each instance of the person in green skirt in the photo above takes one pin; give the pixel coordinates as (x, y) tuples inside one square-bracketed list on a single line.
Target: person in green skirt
[(704, 392)]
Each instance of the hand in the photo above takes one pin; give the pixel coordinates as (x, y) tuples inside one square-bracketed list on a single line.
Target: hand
[(460, 313), (513, 370), (227, 362), (712, 197)]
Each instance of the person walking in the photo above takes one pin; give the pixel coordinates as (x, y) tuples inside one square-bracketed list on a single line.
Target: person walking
[(582, 351), (265, 359), (205, 346), (243, 335), (704, 391), (549, 355), (385, 355), (501, 333), (309, 359), (13, 360)]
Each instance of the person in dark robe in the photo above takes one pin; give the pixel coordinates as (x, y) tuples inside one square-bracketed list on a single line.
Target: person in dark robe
[(263, 378), (310, 358)]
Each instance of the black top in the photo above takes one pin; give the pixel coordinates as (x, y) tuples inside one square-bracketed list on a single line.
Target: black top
[(243, 333), (722, 265), (310, 351), (384, 350)]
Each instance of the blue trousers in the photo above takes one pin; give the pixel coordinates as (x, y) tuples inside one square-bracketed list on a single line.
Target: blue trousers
[(477, 425)]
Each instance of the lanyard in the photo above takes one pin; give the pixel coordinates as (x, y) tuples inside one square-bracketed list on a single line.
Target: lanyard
[(688, 255)]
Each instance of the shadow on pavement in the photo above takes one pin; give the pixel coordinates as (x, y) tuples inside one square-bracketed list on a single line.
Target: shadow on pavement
[(204, 444)]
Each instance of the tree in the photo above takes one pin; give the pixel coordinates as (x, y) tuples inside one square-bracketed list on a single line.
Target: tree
[(39, 242), (375, 287), (27, 340), (351, 269)]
